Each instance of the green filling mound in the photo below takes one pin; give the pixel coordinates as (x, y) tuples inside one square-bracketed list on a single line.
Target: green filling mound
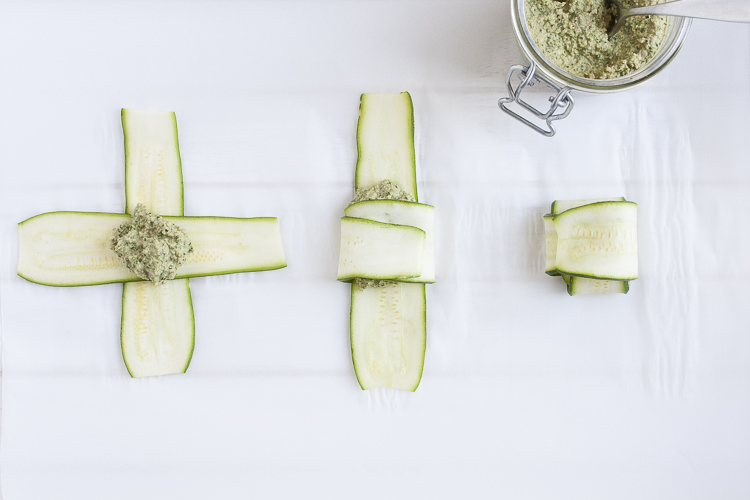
[(386, 190), (573, 35), (364, 283), (151, 247)]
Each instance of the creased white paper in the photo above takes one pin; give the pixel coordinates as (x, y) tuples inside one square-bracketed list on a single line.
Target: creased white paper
[(527, 393)]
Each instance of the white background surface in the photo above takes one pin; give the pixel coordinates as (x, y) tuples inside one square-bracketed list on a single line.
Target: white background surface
[(527, 393)]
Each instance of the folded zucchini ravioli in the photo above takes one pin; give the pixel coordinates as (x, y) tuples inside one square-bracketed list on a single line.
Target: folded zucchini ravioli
[(593, 244)]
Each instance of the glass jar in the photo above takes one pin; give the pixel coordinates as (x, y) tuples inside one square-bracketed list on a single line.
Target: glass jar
[(541, 69)]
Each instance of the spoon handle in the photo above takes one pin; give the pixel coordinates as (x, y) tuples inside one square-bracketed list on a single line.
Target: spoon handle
[(737, 11)]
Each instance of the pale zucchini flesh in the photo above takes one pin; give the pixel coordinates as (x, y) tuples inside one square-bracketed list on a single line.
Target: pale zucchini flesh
[(550, 246), (588, 286), (560, 206), (72, 248), (374, 250), (157, 331), (405, 213), (388, 324), (598, 241), (388, 333), (153, 177), (576, 285), (153, 169), (385, 142)]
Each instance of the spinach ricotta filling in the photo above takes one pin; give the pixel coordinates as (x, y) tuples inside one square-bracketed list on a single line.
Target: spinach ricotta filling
[(386, 190), (573, 35), (151, 247)]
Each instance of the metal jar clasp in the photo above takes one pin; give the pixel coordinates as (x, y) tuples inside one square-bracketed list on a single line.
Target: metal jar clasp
[(560, 104)]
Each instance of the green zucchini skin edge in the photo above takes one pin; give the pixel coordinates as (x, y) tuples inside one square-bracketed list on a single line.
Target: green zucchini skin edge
[(351, 335), (192, 344), (610, 202), (554, 208), (192, 315), (424, 334), (596, 203), (589, 276), (381, 224), (173, 218)]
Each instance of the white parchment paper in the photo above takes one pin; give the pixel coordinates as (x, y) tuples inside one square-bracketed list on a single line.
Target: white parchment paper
[(527, 393)]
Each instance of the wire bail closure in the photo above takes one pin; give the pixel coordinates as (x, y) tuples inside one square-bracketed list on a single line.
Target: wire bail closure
[(560, 104)]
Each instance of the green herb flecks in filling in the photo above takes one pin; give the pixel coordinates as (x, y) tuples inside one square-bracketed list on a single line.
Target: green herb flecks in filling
[(573, 35), (386, 190), (151, 246)]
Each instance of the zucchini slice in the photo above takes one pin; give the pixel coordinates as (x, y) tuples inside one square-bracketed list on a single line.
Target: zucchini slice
[(388, 333), (598, 240), (560, 206), (72, 248), (576, 285), (157, 331), (153, 170), (587, 286), (550, 239), (385, 142), (388, 325), (405, 213), (375, 250), (153, 177)]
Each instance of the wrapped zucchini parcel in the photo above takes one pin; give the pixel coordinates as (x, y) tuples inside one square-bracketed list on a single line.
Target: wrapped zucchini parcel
[(592, 244)]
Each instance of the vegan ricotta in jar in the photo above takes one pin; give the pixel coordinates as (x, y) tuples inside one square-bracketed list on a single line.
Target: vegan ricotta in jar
[(573, 35)]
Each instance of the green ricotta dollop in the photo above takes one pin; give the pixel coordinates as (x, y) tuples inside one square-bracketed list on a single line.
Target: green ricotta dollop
[(386, 190), (573, 35), (151, 246)]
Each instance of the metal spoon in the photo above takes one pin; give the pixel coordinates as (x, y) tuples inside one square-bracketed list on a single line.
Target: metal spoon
[(737, 11)]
